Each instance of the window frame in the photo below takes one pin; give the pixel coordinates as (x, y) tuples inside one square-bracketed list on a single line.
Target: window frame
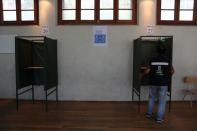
[(18, 21), (176, 20), (97, 20)]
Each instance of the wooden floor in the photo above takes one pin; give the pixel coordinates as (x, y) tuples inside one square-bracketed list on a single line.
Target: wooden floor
[(92, 116)]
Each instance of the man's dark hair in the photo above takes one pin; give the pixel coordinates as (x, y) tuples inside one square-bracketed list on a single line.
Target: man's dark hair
[(161, 49)]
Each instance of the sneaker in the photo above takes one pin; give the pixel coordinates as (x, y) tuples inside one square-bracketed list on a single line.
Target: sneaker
[(159, 121), (149, 116)]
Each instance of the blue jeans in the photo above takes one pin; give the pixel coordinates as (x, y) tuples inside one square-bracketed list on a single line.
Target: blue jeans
[(158, 92)]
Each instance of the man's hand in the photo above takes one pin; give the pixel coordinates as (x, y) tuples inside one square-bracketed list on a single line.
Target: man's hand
[(144, 71)]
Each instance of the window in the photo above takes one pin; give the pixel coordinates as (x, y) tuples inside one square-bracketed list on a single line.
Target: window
[(177, 12), (18, 12), (97, 12)]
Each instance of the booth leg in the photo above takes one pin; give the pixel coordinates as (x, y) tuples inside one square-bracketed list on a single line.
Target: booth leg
[(46, 102), (33, 94), (169, 102), (132, 94), (139, 103), (56, 94), (17, 99)]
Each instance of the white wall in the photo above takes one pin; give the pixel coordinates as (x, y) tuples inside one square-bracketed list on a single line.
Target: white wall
[(100, 73)]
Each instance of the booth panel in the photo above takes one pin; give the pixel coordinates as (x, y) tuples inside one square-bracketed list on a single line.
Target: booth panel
[(23, 60), (51, 67), (39, 55), (136, 65)]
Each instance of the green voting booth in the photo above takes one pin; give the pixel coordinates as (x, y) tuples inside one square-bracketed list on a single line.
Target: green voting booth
[(36, 65)]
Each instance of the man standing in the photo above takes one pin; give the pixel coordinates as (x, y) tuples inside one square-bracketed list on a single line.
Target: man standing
[(160, 70)]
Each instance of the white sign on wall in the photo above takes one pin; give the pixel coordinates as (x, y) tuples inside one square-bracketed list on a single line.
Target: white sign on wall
[(150, 29), (44, 30), (100, 35)]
